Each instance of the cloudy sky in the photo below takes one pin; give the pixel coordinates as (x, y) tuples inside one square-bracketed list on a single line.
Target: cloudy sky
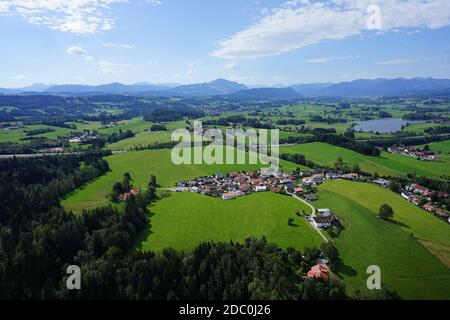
[(255, 42)]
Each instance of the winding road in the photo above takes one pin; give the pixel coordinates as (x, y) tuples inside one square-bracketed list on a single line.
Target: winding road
[(313, 212)]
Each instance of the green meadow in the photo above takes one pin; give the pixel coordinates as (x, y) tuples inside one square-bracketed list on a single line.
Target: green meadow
[(408, 266), (144, 138), (183, 220), (141, 165), (419, 128), (17, 136), (442, 146), (387, 164)]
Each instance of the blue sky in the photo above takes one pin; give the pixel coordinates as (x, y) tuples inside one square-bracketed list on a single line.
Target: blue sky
[(254, 42)]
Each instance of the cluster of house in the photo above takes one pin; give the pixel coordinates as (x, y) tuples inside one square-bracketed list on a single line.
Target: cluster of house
[(83, 137), (416, 193), (237, 184), (10, 126), (324, 219), (382, 183), (414, 151)]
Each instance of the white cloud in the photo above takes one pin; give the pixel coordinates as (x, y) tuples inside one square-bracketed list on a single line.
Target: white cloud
[(21, 77), (75, 16), (300, 23), (319, 60), (77, 51), (154, 3), (396, 61), (112, 68), (105, 67), (4, 6), (329, 59), (119, 45)]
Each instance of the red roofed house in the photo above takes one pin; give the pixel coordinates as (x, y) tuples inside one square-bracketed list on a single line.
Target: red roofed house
[(298, 190), (319, 271), (422, 190)]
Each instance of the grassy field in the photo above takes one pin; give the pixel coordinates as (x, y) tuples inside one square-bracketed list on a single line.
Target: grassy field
[(141, 165), (184, 220), (136, 125), (419, 128), (442, 146), (144, 138), (386, 164), (17, 135), (406, 265)]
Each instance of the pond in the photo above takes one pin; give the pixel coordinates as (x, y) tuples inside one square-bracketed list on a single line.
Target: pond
[(387, 125)]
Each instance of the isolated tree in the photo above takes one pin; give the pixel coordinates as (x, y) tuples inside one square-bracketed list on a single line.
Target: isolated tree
[(386, 212), (151, 188), (290, 221), (117, 190), (126, 182)]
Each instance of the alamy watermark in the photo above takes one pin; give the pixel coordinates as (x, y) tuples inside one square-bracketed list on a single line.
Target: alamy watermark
[(73, 281), (374, 280), (239, 146)]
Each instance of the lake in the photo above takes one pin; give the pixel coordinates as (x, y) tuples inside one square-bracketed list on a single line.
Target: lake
[(386, 125)]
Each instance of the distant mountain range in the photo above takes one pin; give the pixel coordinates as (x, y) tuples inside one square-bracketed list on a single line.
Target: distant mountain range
[(266, 93), (222, 87), (213, 88), (37, 87), (110, 88), (380, 87)]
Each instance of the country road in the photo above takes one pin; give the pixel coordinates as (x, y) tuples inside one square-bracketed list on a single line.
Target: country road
[(313, 212)]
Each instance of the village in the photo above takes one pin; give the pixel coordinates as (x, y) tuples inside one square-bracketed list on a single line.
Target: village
[(10, 126), (300, 185), (86, 136), (237, 184), (413, 151), (424, 197), (303, 184)]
